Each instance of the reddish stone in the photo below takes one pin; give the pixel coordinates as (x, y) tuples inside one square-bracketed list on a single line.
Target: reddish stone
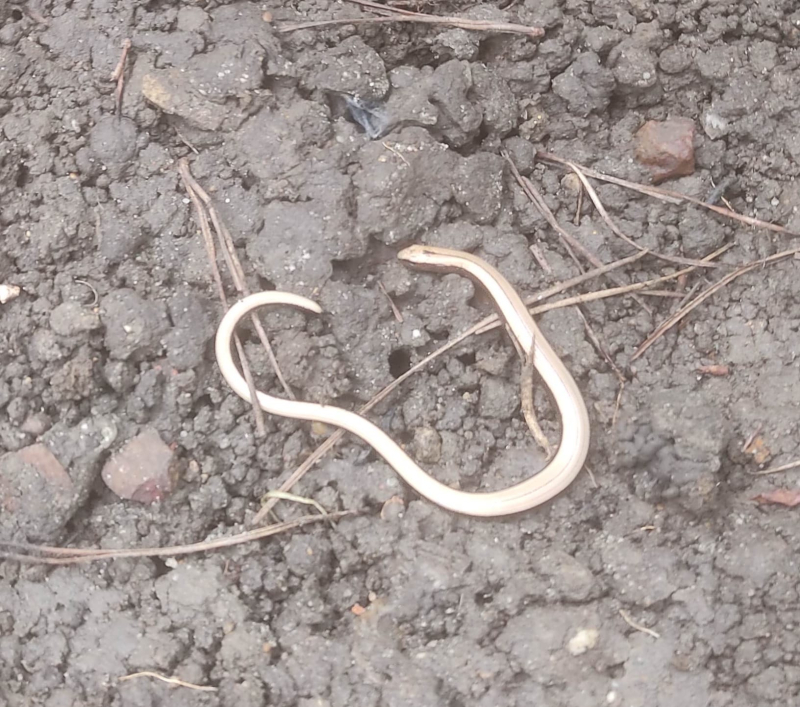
[(47, 465), (667, 147), (143, 470), (37, 495)]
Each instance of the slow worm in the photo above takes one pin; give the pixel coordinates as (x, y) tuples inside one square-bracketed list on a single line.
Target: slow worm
[(541, 487)]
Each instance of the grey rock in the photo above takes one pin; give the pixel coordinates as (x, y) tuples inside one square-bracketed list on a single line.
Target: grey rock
[(134, 326), (499, 398), (586, 85), (350, 66), (71, 318), (112, 142), (186, 343)]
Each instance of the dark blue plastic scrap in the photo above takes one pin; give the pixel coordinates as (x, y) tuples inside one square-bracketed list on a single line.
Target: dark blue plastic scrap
[(369, 115)]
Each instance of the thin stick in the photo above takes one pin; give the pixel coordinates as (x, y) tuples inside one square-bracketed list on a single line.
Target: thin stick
[(681, 313), (583, 277), (661, 293), (284, 496), (776, 469), (68, 556), (688, 296), (394, 14), (120, 67), (118, 75), (533, 194), (595, 339), (668, 195), (171, 681), (538, 256), (752, 437), (236, 270), (598, 204), (579, 207), (617, 405), (526, 404), (594, 296), (398, 315), (211, 252), (96, 297), (628, 620)]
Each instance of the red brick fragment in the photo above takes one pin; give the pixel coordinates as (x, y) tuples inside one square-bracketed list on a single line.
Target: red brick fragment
[(666, 147), (143, 469)]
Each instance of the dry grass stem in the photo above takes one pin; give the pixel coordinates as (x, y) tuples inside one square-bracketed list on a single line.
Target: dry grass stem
[(49, 555), (172, 681), (526, 404), (236, 271), (673, 197), (683, 311), (118, 75), (598, 204), (628, 620), (571, 243), (777, 469), (395, 14), (294, 498), (398, 315), (211, 251)]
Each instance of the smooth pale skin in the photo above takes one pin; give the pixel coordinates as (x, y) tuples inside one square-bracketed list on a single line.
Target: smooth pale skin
[(554, 478)]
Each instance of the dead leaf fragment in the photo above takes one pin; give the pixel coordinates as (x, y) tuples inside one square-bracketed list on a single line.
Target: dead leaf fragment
[(758, 449), (780, 497)]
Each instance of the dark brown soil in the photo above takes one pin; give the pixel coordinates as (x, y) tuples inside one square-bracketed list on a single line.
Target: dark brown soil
[(523, 611)]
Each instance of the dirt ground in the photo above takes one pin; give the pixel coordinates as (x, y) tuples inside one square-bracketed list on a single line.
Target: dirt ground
[(402, 604)]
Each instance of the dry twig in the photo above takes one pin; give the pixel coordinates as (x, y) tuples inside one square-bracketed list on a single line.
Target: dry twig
[(294, 498), (172, 681), (681, 313), (395, 14), (49, 555), (598, 204), (570, 243), (118, 75), (628, 620), (777, 469), (526, 404), (236, 270), (398, 315), (672, 197), (211, 251)]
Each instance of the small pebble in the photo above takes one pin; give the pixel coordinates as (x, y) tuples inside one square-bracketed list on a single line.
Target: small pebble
[(666, 147), (36, 424), (8, 292), (143, 470), (584, 640), (427, 445), (71, 318)]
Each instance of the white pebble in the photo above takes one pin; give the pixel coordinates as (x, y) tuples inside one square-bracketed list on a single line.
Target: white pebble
[(584, 640)]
